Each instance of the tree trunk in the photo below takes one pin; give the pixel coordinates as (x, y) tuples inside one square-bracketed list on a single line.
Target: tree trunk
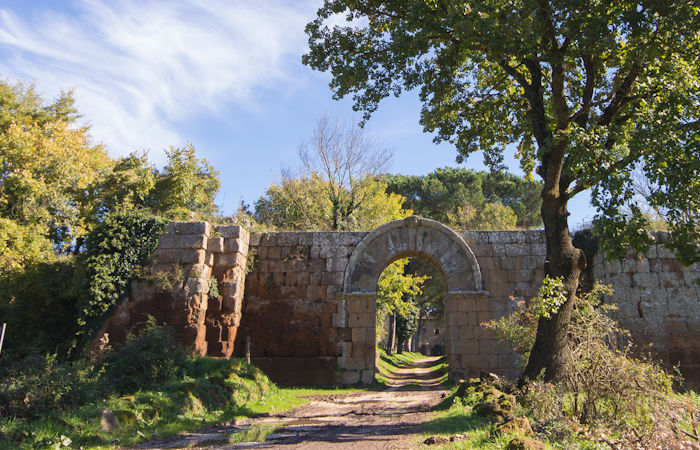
[(550, 351), (392, 334)]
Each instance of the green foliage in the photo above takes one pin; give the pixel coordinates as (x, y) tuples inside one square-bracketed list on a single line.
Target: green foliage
[(605, 385), (115, 249), (406, 326), (48, 168), (22, 245), (550, 297), (130, 183), (37, 385), (304, 204), (471, 200), (585, 93), (395, 291), (47, 401), (39, 305), (186, 185), (149, 359)]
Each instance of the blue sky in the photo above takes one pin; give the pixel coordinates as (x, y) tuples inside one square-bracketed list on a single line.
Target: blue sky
[(224, 75)]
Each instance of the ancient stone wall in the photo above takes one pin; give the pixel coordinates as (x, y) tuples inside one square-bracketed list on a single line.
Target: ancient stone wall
[(659, 304), (295, 313), (308, 303), (175, 288), (309, 325)]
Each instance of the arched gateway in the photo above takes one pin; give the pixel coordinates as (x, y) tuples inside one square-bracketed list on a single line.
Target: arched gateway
[(427, 239), (306, 301)]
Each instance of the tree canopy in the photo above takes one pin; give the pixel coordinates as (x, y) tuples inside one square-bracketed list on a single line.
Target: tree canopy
[(339, 187), (586, 91), (470, 199), (59, 190)]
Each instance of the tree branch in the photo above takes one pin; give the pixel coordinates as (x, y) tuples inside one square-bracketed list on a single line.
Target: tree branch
[(620, 96)]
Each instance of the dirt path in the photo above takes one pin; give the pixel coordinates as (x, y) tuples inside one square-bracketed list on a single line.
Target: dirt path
[(372, 420)]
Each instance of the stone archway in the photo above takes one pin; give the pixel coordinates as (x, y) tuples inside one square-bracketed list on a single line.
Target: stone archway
[(418, 237)]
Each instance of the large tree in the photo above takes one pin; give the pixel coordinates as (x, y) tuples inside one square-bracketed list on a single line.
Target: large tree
[(448, 194), (586, 90), (338, 188)]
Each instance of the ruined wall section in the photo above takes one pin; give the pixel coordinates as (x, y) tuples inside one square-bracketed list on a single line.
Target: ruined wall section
[(175, 287), (659, 304), (294, 313), (512, 267)]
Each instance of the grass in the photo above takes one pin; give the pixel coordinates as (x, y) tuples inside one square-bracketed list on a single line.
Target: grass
[(387, 365), (212, 391)]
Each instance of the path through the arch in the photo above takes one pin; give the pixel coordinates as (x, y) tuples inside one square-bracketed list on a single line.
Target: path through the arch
[(392, 418)]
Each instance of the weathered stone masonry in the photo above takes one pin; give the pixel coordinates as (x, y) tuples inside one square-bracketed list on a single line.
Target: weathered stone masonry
[(308, 304)]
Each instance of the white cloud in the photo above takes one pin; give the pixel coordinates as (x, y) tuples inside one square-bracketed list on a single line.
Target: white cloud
[(139, 67)]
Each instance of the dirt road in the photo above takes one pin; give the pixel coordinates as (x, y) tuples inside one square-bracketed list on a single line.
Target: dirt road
[(370, 419)]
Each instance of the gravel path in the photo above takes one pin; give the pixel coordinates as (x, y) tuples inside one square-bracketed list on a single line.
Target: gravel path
[(370, 419)]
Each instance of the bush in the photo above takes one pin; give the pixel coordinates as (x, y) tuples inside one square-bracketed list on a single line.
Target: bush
[(605, 386), (39, 385), (39, 306), (148, 359), (116, 248)]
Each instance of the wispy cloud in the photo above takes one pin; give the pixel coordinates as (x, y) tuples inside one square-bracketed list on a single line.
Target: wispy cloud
[(140, 67)]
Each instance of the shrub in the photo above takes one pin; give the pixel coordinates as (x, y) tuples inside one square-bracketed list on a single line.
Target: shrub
[(38, 385), (605, 386), (149, 358), (115, 249), (39, 306)]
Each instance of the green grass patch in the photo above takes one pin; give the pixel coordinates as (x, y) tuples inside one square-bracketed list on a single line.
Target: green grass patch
[(211, 391), (387, 365)]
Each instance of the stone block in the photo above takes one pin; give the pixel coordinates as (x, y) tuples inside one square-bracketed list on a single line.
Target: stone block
[(216, 244), (197, 286), (166, 256), (367, 376), (467, 346), (229, 260), (288, 238), (193, 256), (193, 241), (273, 252), (645, 280), (235, 245), (188, 228), (487, 346), (613, 267), (499, 250), (539, 250), (336, 264), (518, 249), (315, 252), (664, 252), (338, 320), (254, 239), (199, 270), (359, 335), (355, 319), (492, 362), (231, 231), (467, 332), (169, 241), (332, 278), (231, 289), (691, 278), (347, 377)]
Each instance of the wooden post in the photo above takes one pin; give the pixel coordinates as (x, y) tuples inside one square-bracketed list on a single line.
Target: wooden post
[(2, 336), (247, 349)]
